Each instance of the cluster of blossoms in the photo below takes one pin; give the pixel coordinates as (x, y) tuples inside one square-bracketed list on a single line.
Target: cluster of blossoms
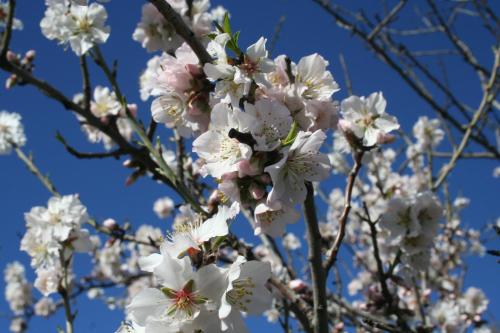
[(412, 225), (11, 132), (53, 234), (106, 107), (157, 34), (207, 299), (258, 127), (17, 288), (455, 315), (76, 23)]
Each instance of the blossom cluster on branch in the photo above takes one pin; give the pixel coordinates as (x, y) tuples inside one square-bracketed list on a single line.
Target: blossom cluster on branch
[(251, 136)]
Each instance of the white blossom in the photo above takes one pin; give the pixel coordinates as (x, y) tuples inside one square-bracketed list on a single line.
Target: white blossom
[(301, 162), (366, 118), (105, 103), (272, 122), (473, 301), (220, 152), (11, 132), (79, 25), (246, 292), (272, 219), (312, 80), (163, 207), (291, 242), (428, 133), (17, 289), (45, 307)]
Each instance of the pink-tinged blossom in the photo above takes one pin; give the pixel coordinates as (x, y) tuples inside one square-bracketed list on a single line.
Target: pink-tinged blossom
[(366, 118), (220, 152)]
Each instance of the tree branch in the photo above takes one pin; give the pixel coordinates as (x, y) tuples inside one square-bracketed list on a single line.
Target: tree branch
[(182, 29), (7, 34), (332, 258), (318, 276)]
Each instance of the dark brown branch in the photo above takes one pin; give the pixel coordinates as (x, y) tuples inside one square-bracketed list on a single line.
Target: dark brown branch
[(7, 34), (318, 274), (85, 83), (182, 29)]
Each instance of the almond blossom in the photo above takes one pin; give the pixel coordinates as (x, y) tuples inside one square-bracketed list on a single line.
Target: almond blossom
[(11, 132), (301, 162), (220, 152), (366, 118), (81, 26)]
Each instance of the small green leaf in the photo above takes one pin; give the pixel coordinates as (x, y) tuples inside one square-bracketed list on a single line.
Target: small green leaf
[(217, 242), (236, 37), (291, 135), (227, 24)]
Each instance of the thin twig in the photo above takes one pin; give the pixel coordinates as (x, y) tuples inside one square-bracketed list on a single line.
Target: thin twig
[(488, 97), (28, 161), (347, 77), (387, 19), (358, 156)]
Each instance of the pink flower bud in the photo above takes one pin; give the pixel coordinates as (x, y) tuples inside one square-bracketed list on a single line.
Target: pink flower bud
[(297, 285), (133, 110), (30, 55), (265, 178), (246, 168), (109, 223), (214, 197), (344, 125), (127, 163), (385, 138), (10, 82), (229, 176), (12, 57), (193, 69), (256, 191)]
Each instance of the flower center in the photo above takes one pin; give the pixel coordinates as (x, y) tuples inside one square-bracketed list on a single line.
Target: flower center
[(238, 295), (229, 148), (185, 302), (84, 25)]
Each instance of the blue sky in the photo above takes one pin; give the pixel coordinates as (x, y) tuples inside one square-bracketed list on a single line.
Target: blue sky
[(307, 29)]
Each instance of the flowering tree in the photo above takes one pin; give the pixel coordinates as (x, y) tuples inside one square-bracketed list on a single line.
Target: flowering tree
[(250, 135)]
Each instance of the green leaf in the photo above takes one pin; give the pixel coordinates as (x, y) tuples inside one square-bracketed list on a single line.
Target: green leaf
[(227, 24), (236, 37), (217, 242), (291, 135)]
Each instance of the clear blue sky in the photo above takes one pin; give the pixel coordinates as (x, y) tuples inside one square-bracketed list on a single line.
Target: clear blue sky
[(101, 183)]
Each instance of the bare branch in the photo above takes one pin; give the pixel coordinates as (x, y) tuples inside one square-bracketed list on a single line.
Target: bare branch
[(7, 34), (318, 274), (182, 29), (489, 96), (392, 14), (332, 258)]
